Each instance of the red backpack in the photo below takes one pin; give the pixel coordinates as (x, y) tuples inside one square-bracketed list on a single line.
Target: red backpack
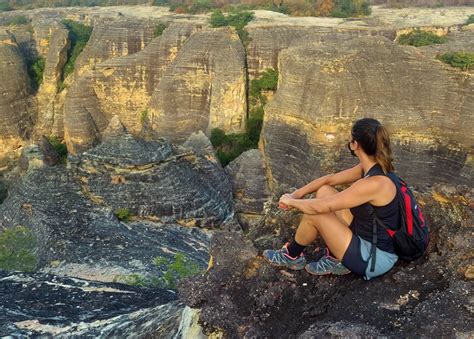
[(412, 237)]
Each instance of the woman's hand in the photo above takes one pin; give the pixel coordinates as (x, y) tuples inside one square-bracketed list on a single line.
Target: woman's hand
[(285, 201)]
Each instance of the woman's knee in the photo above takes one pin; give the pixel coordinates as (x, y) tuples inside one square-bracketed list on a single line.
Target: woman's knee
[(325, 190), (314, 219)]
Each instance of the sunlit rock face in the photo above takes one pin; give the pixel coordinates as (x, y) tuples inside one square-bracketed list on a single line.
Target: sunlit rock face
[(268, 41), (204, 88), (50, 117), (324, 87), (16, 113), (114, 39)]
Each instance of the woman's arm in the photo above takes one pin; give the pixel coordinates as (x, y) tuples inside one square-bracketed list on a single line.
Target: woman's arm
[(359, 193), (347, 176)]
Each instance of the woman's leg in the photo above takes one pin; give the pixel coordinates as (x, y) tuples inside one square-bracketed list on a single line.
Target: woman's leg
[(336, 234), (333, 226)]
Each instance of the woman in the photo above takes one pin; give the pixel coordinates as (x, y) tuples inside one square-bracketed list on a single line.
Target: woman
[(343, 219)]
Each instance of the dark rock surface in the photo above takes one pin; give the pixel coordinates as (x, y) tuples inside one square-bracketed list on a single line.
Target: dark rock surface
[(71, 210), (249, 187), (42, 304), (246, 297)]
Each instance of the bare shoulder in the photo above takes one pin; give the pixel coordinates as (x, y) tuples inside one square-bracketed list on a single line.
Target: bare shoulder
[(384, 187)]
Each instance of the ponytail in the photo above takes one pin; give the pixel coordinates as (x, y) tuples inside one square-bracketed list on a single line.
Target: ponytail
[(383, 153)]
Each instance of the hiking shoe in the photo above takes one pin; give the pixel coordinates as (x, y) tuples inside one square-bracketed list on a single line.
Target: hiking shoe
[(327, 265), (281, 258)]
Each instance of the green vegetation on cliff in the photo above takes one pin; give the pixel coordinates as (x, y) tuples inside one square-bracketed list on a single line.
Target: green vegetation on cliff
[(462, 60), (30, 4), (159, 28), (238, 20), (123, 214), (60, 147), (35, 71), (174, 270), (178, 268), (17, 20), (350, 8), (4, 7), (79, 35), (419, 38), (230, 146), (470, 20), (17, 249)]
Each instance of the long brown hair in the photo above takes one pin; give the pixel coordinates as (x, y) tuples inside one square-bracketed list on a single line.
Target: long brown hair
[(374, 140)]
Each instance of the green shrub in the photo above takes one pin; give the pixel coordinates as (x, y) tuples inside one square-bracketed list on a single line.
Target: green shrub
[(218, 137), (254, 124), (160, 3), (470, 20), (462, 60), (132, 280), (174, 270), (218, 19), (200, 6), (79, 35), (350, 8), (59, 146), (123, 214), (4, 7), (144, 116), (268, 80), (237, 19), (230, 146), (36, 70), (419, 38), (17, 247), (159, 28), (16, 21)]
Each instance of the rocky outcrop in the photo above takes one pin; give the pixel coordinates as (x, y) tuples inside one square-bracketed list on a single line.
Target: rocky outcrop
[(113, 39), (268, 41), (245, 296), (49, 114), (249, 187), (324, 88), (71, 210), (204, 88), (121, 86), (200, 144), (16, 117), (48, 305)]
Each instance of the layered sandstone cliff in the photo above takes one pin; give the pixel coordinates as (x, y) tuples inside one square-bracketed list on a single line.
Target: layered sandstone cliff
[(16, 117), (324, 87)]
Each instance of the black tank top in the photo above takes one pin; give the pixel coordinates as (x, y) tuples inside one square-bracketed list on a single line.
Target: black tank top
[(389, 214)]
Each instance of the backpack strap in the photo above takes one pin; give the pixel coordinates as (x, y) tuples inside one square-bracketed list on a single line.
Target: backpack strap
[(373, 248)]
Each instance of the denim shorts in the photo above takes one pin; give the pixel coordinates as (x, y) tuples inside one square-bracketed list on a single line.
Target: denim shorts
[(357, 260)]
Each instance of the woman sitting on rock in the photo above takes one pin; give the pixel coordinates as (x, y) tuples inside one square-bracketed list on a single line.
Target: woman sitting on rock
[(342, 219)]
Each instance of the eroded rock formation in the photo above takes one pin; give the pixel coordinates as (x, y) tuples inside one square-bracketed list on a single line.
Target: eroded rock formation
[(324, 88), (16, 117), (204, 88)]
